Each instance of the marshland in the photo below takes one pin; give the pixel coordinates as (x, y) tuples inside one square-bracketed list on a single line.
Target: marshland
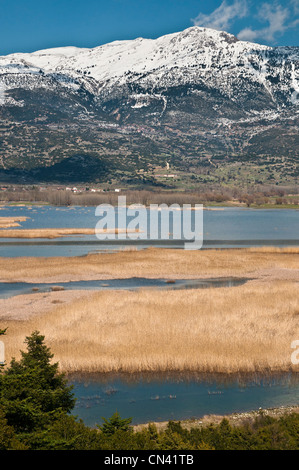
[(248, 328), (238, 331)]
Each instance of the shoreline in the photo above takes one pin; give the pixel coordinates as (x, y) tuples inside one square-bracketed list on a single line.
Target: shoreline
[(212, 205), (235, 419), (188, 376)]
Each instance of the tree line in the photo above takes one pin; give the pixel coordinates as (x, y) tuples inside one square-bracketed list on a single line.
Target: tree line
[(63, 197)]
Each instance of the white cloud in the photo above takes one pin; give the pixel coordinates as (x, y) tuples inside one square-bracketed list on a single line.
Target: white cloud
[(248, 34), (271, 19), (223, 16), (295, 4), (277, 18)]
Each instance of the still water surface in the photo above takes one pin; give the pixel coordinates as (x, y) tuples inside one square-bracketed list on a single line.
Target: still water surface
[(10, 289), (161, 400), (222, 228)]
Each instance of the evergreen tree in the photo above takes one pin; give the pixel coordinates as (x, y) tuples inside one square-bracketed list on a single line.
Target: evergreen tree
[(115, 423), (32, 391), (8, 438)]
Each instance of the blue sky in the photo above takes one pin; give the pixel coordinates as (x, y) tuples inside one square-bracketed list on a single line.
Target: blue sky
[(29, 25)]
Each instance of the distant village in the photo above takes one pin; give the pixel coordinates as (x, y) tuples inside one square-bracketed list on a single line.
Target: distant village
[(73, 189)]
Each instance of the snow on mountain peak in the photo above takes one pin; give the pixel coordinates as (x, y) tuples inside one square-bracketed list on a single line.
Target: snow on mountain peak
[(138, 56), (197, 53)]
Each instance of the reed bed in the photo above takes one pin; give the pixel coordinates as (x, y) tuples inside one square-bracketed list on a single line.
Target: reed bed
[(225, 330), (57, 232), (153, 263), (273, 249), (7, 222)]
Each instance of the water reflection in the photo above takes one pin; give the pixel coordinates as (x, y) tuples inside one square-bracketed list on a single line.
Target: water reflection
[(178, 396)]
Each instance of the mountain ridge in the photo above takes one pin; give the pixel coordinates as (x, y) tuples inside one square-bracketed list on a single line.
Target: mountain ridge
[(185, 96)]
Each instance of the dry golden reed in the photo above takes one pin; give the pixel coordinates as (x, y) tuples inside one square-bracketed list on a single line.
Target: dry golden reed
[(218, 330), (6, 222), (152, 262), (55, 232)]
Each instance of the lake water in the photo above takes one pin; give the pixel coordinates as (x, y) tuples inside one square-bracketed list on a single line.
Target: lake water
[(222, 228), (157, 399)]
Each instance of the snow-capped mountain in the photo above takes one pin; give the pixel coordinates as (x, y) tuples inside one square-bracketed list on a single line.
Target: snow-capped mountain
[(190, 57), (191, 82)]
